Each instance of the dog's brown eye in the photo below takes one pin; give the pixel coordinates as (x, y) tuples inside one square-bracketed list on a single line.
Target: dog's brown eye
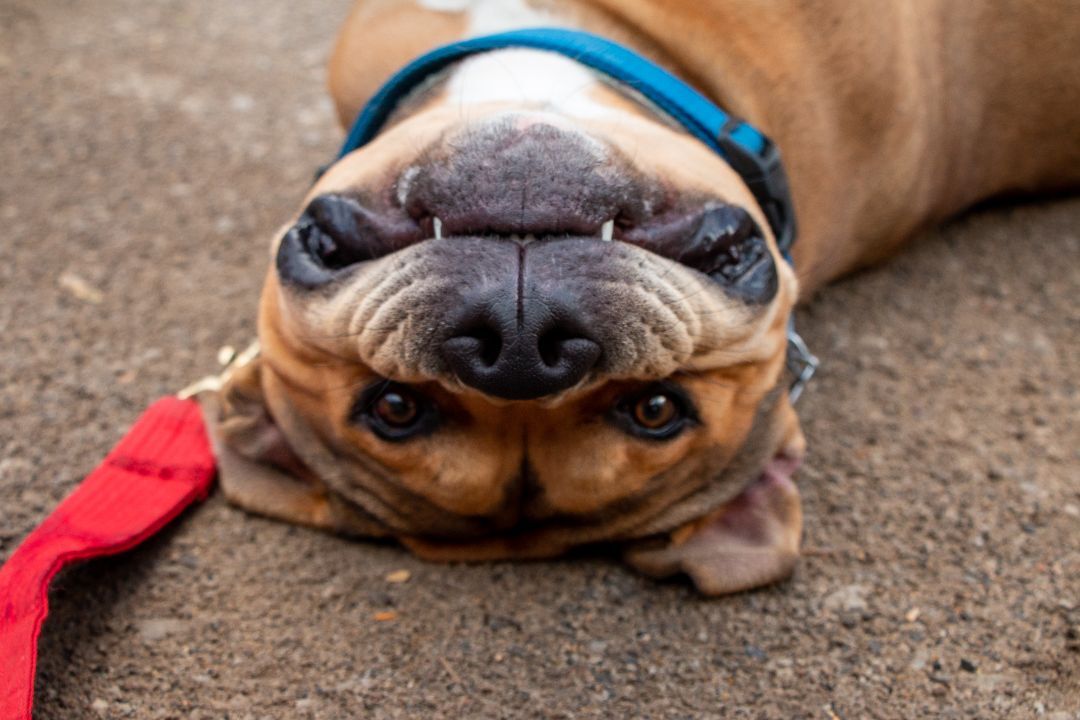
[(655, 411), (659, 412), (394, 412), (396, 409)]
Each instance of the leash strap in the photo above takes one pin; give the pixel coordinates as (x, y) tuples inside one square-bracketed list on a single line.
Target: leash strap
[(160, 467), (746, 149)]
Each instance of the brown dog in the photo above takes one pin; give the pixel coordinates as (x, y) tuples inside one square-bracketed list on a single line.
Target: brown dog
[(453, 356)]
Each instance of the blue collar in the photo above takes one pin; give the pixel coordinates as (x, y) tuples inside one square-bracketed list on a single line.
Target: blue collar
[(747, 150)]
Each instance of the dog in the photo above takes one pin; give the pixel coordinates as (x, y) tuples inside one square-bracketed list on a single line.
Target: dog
[(493, 332)]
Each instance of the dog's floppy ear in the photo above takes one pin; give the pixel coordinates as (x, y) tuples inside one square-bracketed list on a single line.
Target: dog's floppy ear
[(257, 467), (245, 425), (749, 542)]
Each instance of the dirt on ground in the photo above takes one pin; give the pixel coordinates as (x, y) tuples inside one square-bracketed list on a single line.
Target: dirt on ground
[(149, 151)]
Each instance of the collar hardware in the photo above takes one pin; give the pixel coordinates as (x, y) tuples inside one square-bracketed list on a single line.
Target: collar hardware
[(800, 362), (231, 361)]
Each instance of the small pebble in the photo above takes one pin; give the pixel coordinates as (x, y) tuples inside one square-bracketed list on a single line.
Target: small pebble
[(398, 576), (385, 616), (755, 652), (967, 666), (154, 629), (80, 288)]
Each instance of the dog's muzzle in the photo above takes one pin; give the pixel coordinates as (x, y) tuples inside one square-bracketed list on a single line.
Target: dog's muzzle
[(525, 264), (747, 150)]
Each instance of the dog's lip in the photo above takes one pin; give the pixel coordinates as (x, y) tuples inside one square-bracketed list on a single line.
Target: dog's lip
[(671, 234), (667, 233), (505, 177), (483, 224)]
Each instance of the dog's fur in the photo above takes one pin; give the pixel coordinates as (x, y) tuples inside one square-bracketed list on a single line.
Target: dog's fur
[(890, 116)]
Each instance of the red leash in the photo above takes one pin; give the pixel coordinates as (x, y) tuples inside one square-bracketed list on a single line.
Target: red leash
[(160, 467)]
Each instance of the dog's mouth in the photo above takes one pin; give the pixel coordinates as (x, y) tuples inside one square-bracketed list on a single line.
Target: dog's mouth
[(780, 470), (502, 181), (534, 315), (337, 232)]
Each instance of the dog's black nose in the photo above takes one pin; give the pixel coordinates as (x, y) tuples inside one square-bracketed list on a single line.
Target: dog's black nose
[(518, 348)]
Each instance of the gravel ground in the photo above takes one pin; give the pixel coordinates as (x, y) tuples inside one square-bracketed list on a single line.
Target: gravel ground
[(150, 149)]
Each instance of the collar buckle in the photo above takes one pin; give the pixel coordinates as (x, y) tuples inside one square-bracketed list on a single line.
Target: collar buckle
[(800, 362), (231, 361)]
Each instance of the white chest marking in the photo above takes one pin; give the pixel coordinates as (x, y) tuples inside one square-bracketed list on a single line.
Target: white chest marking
[(535, 78), (543, 80)]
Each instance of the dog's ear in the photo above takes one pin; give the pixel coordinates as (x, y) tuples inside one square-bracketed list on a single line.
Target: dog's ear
[(257, 467), (749, 542)]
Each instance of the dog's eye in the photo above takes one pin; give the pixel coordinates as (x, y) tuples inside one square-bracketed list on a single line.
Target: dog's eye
[(397, 409), (660, 412), (394, 411), (655, 412)]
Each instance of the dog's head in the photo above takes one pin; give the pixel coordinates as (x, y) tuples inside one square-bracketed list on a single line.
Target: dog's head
[(513, 324)]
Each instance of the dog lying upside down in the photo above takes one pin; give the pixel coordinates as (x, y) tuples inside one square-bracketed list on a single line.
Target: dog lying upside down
[(534, 313)]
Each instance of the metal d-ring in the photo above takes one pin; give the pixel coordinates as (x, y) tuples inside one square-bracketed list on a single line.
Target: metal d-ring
[(800, 361)]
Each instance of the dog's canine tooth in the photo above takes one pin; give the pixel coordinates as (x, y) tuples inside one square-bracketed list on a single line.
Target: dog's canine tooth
[(437, 224), (607, 230)]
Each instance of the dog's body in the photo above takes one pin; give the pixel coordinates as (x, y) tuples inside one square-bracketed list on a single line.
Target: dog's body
[(453, 357)]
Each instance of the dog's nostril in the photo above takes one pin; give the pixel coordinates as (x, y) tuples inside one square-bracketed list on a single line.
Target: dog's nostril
[(483, 342), (555, 344)]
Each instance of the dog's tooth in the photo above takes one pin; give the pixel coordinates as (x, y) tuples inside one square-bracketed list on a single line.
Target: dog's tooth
[(437, 224), (607, 230)]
